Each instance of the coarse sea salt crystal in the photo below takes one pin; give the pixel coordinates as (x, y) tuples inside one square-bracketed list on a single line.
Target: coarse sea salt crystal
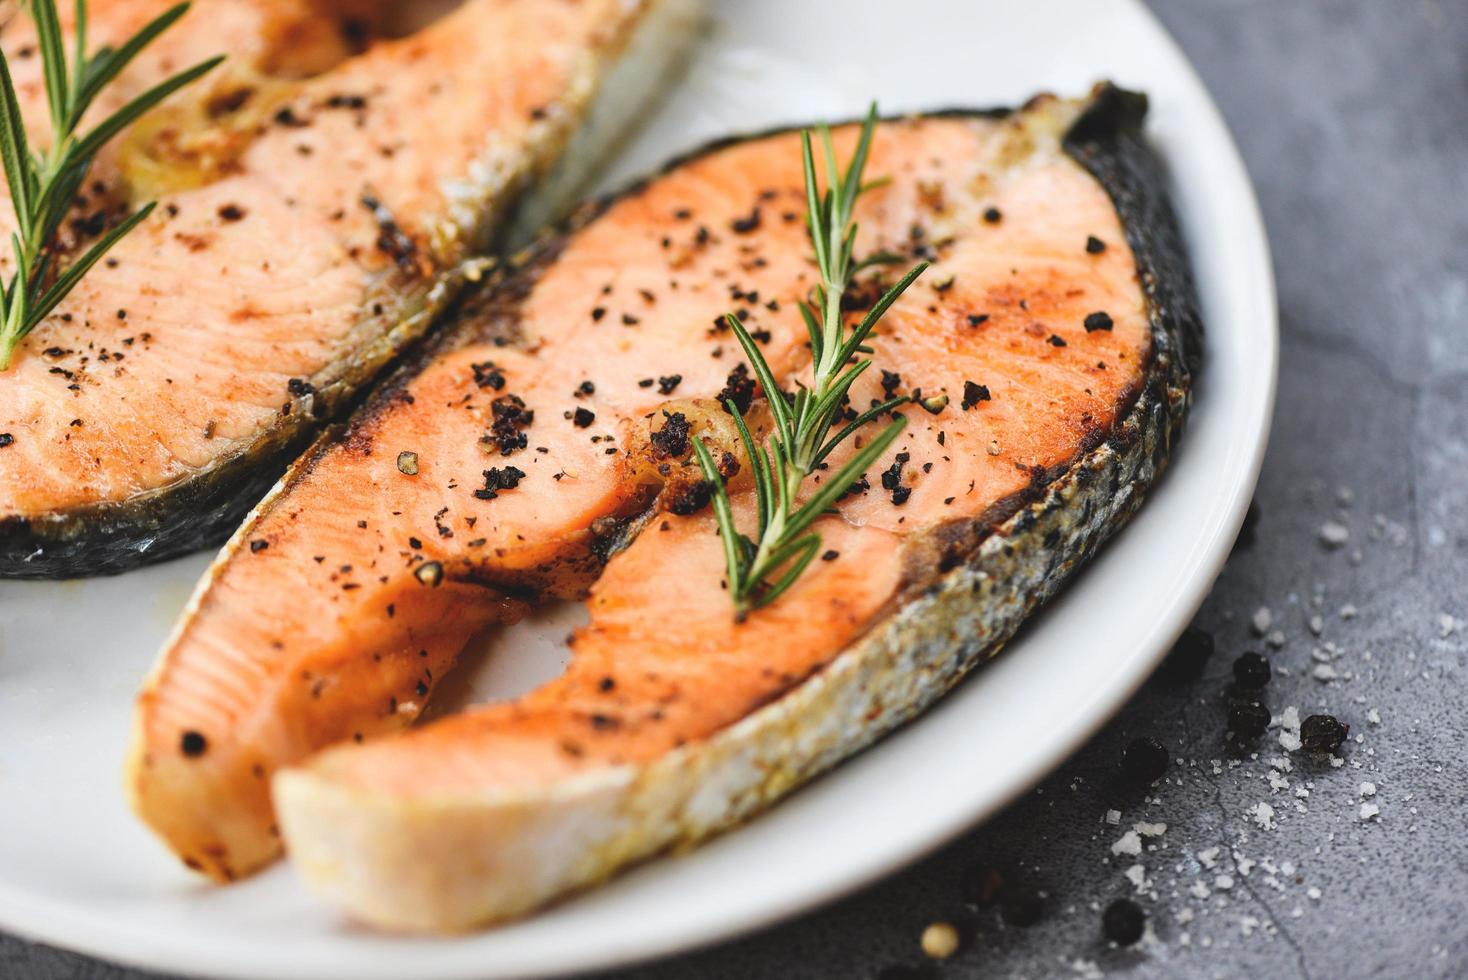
[(1150, 829), (1289, 723), (1129, 843), (1208, 857), (1261, 620), (1263, 815), (1113, 817), (1333, 534), (1368, 789), (1369, 811)]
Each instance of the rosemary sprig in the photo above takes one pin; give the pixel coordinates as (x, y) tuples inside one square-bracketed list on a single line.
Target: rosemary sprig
[(761, 568), (43, 185)]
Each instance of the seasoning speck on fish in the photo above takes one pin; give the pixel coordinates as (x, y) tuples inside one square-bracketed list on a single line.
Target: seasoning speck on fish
[(486, 375), (671, 441), (497, 479), (973, 394)]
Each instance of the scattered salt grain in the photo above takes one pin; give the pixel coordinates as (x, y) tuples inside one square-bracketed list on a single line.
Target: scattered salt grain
[(1263, 815), (1261, 620), (1129, 843), (1289, 723), (1369, 811), (1368, 789), (1333, 534)]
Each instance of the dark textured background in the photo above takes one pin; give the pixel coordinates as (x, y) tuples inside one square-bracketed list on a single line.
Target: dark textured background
[(1353, 117)]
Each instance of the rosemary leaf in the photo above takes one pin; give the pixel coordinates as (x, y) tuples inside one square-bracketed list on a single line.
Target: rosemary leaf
[(43, 186), (760, 571)]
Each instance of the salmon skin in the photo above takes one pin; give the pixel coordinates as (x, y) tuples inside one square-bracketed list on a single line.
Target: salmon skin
[(320, 197), (540, 447)]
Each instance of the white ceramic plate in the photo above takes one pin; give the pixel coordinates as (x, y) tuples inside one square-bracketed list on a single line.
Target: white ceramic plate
[(78, 871)]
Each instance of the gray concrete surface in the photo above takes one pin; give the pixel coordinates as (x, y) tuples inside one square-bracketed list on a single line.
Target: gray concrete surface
[(1353, 116)]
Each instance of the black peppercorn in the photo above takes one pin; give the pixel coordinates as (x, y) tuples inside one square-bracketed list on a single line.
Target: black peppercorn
[(1123, 922), (1251, 670), (1248, 719), (1323, 733), (1144, 760), (193, 744)]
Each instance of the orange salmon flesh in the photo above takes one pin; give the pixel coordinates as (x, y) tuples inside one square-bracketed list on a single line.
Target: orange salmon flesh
[(341, 605), (311, 192)]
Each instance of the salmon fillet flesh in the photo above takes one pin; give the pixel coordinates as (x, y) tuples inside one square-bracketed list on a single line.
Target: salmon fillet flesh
[(318, 196), (540, 447)]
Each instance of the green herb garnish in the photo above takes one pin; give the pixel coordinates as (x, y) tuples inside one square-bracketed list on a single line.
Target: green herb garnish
[(44, 185), (762, 568)]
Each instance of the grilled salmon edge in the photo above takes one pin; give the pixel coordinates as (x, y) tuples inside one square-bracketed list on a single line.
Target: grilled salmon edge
[(448, 864), (192, 513)]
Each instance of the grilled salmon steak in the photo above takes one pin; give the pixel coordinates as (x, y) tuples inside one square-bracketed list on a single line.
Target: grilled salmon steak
[(541, 447), (317, 194)]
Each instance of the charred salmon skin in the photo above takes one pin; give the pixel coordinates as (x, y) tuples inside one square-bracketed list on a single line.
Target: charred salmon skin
[(318, 195), (541, 447)]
